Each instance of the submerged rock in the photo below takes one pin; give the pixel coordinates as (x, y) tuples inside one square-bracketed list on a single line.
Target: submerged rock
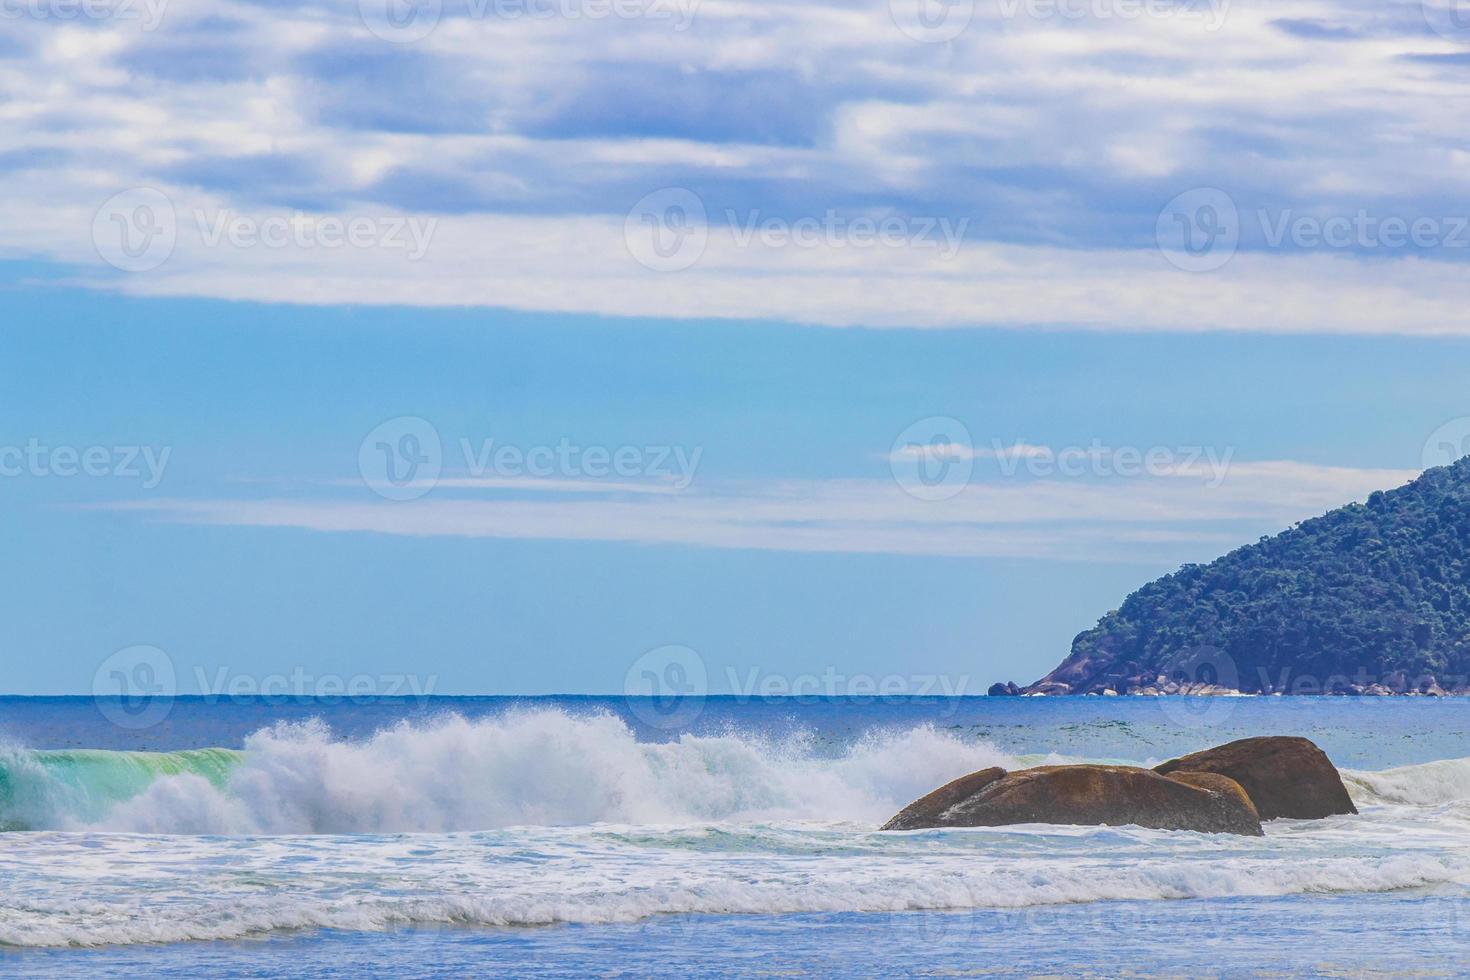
[(1284, 776), (1111, 795)]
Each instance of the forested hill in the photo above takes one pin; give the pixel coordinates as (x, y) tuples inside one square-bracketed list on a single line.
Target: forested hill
[(1370, 598)]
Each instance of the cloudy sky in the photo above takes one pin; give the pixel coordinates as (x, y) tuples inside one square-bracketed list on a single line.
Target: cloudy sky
[(506, 340)]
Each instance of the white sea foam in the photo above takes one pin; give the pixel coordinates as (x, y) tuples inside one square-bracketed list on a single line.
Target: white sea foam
[(90, 890), (540, 767), (1427, 784), (545, 817)]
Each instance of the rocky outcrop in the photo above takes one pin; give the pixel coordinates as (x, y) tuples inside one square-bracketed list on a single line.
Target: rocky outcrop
[(1284, 776), (1371, 599), (1111, 795), (1005, 689)]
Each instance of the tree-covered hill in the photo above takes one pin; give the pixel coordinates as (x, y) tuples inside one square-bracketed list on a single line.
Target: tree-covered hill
[(1369, 598)]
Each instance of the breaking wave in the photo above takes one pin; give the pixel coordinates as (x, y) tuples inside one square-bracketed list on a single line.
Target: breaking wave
[(540, 767)]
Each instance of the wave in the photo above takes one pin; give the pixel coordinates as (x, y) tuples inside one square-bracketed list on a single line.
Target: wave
[(221, 890), (538, 767), (1426, 784), (40, 789)]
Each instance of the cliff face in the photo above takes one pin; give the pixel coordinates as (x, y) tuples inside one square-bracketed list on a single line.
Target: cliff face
[(1371, 598)]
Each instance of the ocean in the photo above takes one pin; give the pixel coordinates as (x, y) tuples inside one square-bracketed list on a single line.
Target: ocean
[(575, 836)]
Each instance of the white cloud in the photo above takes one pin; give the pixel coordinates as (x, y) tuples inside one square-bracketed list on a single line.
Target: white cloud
[(1147, 520), (528, 139)]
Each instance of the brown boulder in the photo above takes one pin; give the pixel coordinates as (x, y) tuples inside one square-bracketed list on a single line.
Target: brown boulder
[(1284, 776), (928, 811), (1089, 795)]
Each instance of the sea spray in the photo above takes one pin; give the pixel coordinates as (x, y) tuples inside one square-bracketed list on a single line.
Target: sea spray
[(529, 768)]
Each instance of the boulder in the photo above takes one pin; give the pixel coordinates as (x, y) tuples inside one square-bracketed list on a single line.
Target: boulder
[(928, 811), (1111, 795), (1006, 689), (1284, 776)]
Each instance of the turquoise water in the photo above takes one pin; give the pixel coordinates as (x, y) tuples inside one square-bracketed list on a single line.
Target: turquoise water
[(567, 836)]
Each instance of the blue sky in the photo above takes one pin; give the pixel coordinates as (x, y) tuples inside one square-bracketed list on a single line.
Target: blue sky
[(842, 300)]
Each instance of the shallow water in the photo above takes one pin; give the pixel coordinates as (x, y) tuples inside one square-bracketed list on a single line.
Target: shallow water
[(569, 835)]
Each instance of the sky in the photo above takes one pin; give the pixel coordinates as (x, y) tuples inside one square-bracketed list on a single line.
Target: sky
[(522, 346)]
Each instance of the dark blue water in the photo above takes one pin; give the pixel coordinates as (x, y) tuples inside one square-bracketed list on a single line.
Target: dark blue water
[(1369, 733)]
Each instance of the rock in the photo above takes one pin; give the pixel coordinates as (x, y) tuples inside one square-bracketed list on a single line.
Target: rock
[(928, 811), (1087, 795), (1284, 776), (1005, 690)]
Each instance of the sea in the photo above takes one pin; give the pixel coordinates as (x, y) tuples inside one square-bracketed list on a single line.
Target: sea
[(701, 837)]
